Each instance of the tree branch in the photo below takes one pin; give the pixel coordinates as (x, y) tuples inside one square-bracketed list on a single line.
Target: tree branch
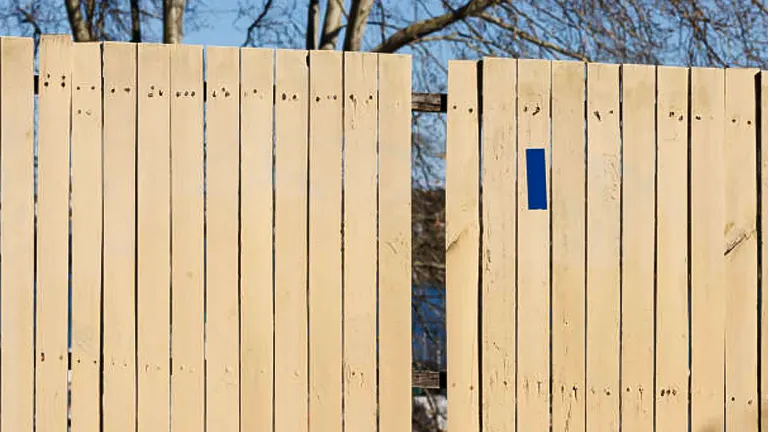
[(255, 24), (331, 25), (418, 30), (76, 22), (530, 38)]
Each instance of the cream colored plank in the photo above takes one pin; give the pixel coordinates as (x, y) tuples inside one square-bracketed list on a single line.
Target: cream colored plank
[(568, 260), (325, 140), (86, 235), (291, 95), (764, 245), (672, 250), (222, 176), (394, 243), (17, 236), (499, 213), (188, 373), (707, 264), (533, 86), (603, 220), (256, 298), (462, 237), (153, 237), (120, 97), (360, 115), (53, 233), (638, 225), (740, 251)]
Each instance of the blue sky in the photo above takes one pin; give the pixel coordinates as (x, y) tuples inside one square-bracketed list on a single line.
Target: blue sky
[(220, 29)]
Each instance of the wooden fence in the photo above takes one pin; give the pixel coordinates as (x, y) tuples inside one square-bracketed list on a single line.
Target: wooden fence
[(605, 247), (223, 273)]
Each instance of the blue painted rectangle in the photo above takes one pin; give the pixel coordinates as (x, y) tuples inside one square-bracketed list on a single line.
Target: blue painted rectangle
[(536, 169)]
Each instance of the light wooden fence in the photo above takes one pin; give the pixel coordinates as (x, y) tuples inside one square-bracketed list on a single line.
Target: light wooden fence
[(194, 220), (605, 247)]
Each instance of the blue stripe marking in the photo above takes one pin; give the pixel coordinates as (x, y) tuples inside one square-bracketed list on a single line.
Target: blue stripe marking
[(536, 169)]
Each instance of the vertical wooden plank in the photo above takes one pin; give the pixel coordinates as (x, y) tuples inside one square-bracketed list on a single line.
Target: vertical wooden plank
[(638, 225), (223, 166), (462, 245), (740, 250), (603, 220), (568, 260), (186, 127), (291, 95), (153, 237), (86, 236), (533, 86), (17, 236), (499, 213), (672, 250), (763, 244), (360, 141), (120, 97), (256, 298), (53, 233), (325, 298), (706, 247), (394, 243)]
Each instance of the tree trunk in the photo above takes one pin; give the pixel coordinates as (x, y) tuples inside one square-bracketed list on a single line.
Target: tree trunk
[(135, 21), (358, 17), (313, 22), (331, 25), (173, 20), (79, 27)]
